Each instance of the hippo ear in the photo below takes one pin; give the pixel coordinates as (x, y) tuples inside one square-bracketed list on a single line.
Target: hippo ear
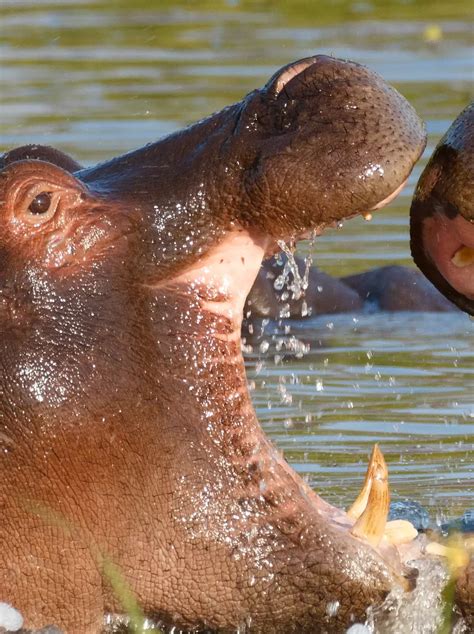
[(40, 153)]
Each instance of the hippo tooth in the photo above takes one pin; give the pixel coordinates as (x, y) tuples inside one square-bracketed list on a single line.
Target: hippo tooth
[(463, 257), (371, 524), (367, 216), (358, 507), (400, 532)]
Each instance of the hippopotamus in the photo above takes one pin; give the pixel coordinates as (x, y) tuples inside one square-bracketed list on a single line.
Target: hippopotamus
[(128, 437), (442, 214), (442, 245)]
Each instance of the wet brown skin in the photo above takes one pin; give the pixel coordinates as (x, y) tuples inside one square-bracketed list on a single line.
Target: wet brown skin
[(442, 213), (126, 430)]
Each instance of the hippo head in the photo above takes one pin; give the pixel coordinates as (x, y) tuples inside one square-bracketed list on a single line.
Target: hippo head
[(442, 214), (124, 407), (322, 141)]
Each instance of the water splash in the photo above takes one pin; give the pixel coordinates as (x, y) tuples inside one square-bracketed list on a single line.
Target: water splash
[(419, 611), (295, 283)]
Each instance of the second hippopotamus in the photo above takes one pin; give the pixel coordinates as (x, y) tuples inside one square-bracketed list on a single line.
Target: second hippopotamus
[(442, 214)]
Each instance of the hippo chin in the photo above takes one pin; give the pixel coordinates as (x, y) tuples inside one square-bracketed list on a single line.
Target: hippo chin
[(127, 433), (442, 214)]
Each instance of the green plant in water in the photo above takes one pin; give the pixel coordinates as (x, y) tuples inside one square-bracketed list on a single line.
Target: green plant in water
[(126, 597), (457, 558), (137, 623)]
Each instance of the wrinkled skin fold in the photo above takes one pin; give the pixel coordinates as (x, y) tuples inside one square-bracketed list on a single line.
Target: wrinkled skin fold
[(442, 214), (127, 434)]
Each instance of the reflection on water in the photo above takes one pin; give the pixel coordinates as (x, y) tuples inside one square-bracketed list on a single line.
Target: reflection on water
[(97, 79), (403, 379)]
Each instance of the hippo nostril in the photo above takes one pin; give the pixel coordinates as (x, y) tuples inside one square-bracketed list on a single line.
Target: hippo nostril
[(279, 81)]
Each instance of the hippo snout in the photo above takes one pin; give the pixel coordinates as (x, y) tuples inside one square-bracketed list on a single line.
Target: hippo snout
[(323, 140)]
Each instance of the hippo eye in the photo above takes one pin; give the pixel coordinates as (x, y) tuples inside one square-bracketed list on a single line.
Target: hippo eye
[(40, 204)]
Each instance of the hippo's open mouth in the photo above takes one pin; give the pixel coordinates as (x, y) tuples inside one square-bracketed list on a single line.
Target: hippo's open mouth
[(449, 243), (220, 283)]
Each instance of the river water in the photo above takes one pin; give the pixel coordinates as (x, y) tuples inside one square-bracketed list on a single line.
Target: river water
[(96, 79)]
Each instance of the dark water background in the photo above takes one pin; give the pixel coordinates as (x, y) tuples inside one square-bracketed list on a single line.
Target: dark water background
[(99, 78)]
